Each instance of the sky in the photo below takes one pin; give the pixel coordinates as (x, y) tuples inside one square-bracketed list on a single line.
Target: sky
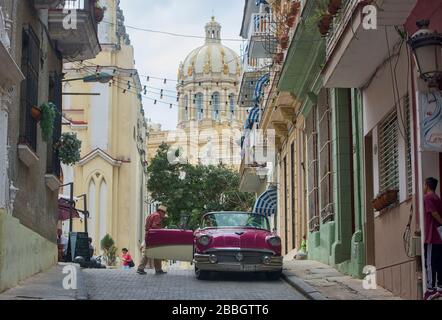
[(159, 55)]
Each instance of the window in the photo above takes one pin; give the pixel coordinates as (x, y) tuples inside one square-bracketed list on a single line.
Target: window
[(312, 170), (232, 106), (388, 153), (216, 106), (30, 66), (408, 145), (325, 164), (55, 96), (199, 105), (186, 108)]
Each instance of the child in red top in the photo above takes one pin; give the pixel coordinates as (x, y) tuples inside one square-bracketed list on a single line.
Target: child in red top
[(127, 259)]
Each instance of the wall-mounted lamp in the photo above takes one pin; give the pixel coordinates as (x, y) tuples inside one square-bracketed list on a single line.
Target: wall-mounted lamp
[(427, 49)]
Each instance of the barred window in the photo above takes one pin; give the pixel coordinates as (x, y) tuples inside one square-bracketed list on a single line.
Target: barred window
[(325, 164), (30, 66), (388, 153), (312, 170), (216, 106), (408, 147), (200, 105)]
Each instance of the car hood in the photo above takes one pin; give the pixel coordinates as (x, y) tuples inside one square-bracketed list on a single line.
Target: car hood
[(239, 238)]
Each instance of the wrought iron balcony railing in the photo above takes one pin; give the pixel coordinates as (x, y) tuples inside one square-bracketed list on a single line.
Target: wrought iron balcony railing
[(339, 23)]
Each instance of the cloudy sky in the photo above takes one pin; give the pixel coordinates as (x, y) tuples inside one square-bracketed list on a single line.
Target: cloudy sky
[(159, 55)]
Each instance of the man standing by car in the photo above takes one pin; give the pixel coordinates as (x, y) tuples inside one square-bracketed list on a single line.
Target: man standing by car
[(433, 240), (154, 221)]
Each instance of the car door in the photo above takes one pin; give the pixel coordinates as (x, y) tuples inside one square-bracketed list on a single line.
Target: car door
[(170, 244)]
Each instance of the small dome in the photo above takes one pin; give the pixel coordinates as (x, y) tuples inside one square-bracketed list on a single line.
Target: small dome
[(212, 60)]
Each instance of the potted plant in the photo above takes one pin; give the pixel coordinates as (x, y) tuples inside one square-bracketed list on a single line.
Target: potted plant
[(36, 113), (334, 6), (385, 199), (107, 244), (279, 57), (294, 8), (98, 11), (325, 23), (48, 113), (284, 42), (290, 22), (68, 148)]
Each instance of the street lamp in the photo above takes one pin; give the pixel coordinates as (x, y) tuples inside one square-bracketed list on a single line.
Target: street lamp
[(427, 49), (101, 77)]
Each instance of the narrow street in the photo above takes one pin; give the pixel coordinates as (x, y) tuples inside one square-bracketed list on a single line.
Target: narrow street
[(113, 284), (182, 285)]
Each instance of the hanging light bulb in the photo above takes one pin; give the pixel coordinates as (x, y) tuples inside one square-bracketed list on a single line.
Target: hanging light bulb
[(165, 81), (148, 78)]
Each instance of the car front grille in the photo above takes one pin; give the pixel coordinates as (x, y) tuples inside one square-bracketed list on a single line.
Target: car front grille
[(249, 257)]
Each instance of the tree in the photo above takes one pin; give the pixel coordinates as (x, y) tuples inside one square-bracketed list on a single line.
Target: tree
[(107, 244), (192, 190)]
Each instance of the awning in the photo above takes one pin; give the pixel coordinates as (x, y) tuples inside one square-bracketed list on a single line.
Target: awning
[(267, 203), (64, 210), (252, 117), (263, 81)]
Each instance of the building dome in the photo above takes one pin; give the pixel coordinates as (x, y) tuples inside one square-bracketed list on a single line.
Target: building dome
[(210, 61)]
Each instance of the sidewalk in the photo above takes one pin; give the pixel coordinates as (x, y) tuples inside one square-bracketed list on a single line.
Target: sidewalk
[(319, 281), (47, 286)]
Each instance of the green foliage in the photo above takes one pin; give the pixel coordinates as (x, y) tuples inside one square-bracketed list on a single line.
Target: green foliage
[(48, 113), (69, 149), (202, 189), (107, 244)]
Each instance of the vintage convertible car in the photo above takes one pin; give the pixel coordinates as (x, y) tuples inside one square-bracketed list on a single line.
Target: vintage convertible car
[(225, 242)]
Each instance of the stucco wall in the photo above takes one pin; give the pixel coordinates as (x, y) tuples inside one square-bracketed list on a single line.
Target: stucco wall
[(22, 252)]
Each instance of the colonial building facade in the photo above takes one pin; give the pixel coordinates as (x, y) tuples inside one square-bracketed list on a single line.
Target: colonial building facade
[(109, 120), (34, 44), (209, 120)]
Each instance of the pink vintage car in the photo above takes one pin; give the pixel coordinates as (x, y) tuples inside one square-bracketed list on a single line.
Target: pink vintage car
[(225, 241)]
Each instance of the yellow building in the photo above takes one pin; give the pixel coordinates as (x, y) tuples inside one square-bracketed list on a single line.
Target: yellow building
[(109, 120), (209, 120)]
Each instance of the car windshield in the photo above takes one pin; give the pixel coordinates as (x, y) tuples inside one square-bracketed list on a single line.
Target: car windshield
[(228, 220)]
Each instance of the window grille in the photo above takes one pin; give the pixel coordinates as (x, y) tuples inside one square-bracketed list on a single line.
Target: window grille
[(409, 146), (388, 153), (30, 66), (325, 165), (312, 170)]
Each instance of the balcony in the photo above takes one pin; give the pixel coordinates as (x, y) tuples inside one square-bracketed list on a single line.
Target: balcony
[(349, 44), (47, 4), (253, 69), (263, 42), (80, 40)]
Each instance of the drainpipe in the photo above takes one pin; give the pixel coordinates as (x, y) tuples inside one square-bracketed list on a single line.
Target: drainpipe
[(417, 185)]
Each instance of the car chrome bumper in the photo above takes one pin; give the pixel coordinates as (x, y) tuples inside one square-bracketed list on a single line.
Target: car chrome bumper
[(202, 262)]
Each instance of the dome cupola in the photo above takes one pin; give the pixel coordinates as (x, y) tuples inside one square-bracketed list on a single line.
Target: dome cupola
[(212, 61)]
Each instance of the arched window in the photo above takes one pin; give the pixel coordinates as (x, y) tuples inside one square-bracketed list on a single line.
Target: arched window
[(232, 106), (216, 108), (186, 108), (92, 210), (199, 105), (103, 209)]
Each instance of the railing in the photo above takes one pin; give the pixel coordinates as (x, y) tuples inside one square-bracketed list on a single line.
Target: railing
[(261, 24), (339, 23), (82, 5)]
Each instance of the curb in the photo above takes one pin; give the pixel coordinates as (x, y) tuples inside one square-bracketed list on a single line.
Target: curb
[(305, 289)]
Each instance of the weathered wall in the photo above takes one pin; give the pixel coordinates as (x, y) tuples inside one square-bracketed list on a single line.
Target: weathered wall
[(25, 254)]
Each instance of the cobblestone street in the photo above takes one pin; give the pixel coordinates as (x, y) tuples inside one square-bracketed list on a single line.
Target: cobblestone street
[(182, 285)]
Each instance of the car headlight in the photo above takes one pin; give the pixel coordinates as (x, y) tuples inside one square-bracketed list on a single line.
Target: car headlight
[(274, 241), (213, 259), (204, 240)]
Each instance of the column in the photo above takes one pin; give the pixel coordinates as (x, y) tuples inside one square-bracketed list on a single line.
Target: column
[(342, 174), (4, 183)]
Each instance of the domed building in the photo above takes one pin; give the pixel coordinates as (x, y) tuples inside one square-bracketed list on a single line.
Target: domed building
[(208, 85)]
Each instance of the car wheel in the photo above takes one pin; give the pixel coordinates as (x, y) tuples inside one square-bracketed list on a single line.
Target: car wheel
[(201, 274), (274, 275)]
